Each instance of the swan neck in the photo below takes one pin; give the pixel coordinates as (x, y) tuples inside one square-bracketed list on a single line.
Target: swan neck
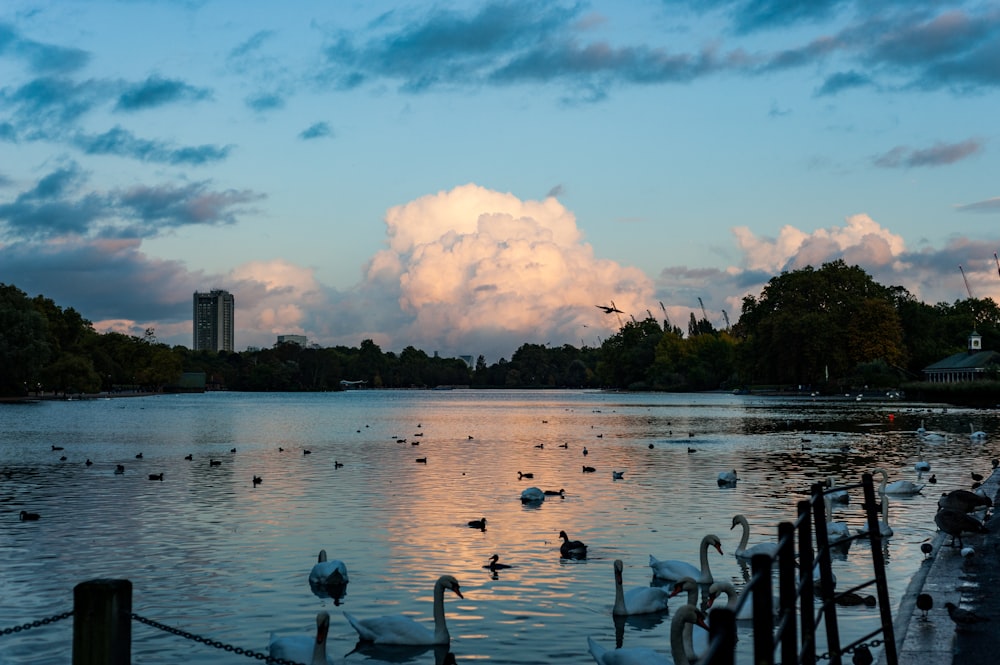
[(682, 640), (746, 535), (705, 570), (441, 634), (619, 607)]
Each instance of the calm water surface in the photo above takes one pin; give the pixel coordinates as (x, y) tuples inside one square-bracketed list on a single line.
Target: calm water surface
[(209, 553)]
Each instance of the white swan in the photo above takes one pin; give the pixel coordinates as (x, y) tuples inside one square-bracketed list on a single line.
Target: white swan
[(717, 588), (328, 572), (976, 435), (679, 649), (839, 496), (835, 531), (404, 631), (640, 600), (728, 477), (883, 526), (532, 495), (922, 466), (672, 569), (906, 487), (744, 552), (303, 648)]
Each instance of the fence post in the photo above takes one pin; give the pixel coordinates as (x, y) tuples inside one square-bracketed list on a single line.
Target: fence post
[(102, 622)]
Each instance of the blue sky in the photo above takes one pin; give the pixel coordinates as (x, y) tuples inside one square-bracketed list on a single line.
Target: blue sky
[(464, 177)]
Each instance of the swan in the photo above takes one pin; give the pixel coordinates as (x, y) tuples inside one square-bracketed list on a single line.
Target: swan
[(639, 600), (728, 477), (921, 430), (717, 588), (572, 549), (532, 495), (883, 526), (837, 496), (404, 631), (976, 435), (325, 572), (906, 487), (835, 531), (680, 645), (302, 648), (672, 569), (922, 466), (742, 551)]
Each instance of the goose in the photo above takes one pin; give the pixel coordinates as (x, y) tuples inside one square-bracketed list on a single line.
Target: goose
[(728, 477), (680, 644), (572, 549), (955, 523), (674, 570), (478, 524), (742, 551), (884, 529), (639, 600), (976, 435), (964, 501), (404, 631), (303, 648), (327, 572), (495, 564), (532, 495)]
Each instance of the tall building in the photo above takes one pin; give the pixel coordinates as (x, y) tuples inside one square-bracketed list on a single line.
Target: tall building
[(213, 320)]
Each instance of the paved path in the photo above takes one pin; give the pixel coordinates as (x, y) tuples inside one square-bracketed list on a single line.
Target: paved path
[(968, 582)]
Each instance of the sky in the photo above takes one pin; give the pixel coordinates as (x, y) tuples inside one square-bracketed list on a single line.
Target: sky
[(467, 177)]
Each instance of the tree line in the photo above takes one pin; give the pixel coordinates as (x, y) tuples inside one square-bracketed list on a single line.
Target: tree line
[(829, 329)]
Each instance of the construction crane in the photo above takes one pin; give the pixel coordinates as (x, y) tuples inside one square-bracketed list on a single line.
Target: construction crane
[(971, 297), (726, 317), (704, 314), (666, 317), (998, 262)]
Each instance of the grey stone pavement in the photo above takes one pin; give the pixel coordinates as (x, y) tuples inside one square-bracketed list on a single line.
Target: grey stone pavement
[(968, 582)]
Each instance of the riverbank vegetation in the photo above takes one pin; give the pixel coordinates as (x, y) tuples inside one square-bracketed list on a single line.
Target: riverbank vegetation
[(832, 329)]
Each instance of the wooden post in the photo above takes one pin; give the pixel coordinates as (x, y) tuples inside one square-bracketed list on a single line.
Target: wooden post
[(102, 622)]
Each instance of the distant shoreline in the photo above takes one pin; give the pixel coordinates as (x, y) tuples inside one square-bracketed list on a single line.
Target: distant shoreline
[(71, 397)]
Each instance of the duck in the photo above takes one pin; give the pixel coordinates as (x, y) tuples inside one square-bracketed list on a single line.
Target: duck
[(327, 571), (524, 475), (674, 570), (532, 495), (402, 630), (303, 648), (478, 524), (728, 478), (744, 552), (495, 564), (214, 462), (138, 456), (559, 492), (617, 475), (29, 517), (638, 600), (257, 480), (572, 549), (589, 469), (88, 462), (680, 643), (156, 476), (119, 469), (189, 457)]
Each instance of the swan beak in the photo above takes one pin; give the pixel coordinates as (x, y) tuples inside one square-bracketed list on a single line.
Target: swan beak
[(678, 588), (701, 621), (719, 548), (733, 526), (458, 592)]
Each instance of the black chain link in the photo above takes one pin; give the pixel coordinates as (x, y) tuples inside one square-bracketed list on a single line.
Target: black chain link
[(36, 624), (213, 643)]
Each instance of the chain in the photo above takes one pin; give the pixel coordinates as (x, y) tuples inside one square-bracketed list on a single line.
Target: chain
[(868, 645), (213, 643), (36, 624)]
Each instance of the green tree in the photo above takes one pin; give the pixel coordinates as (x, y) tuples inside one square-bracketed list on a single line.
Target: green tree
[(24, 342)]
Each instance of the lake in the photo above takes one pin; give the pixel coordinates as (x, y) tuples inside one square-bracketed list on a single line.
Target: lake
[(211, 553)]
